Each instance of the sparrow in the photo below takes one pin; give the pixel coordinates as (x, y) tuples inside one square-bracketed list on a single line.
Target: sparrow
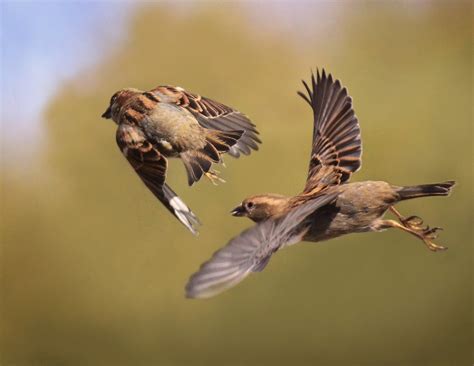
[(170, 122), (327, 208)]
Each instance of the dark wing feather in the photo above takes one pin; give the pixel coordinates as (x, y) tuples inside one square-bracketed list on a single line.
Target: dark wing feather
[(337, 146), (215, 116), (251, 250), (151, 166)]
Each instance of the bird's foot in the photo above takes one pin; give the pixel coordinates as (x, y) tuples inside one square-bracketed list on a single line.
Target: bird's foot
[(213, 176), (414, 225), (428, 235)]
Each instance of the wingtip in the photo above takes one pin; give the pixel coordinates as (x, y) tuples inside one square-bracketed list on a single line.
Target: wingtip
[(192, 224), (191, 293), (203, 286), (185, 215)]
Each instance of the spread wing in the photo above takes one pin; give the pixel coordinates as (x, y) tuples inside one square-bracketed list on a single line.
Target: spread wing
[(215, 116), (151, 166), (251, 250), (337, 146)]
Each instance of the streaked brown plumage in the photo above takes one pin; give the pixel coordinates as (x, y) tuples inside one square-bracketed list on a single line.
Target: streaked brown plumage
[(169, 122), (327, 208)]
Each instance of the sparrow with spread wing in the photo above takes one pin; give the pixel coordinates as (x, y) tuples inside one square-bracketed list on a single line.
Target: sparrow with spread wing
[(170, 122), (327, 208)]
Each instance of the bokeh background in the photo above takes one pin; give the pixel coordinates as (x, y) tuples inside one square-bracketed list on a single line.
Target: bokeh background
[(93, 267)]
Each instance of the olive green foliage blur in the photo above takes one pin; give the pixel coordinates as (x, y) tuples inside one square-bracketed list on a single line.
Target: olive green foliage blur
[(93, 267)]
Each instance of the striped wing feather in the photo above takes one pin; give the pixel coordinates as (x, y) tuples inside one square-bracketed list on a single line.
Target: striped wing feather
[(151, 167), (251, 250), (216, 116), (337, 145)]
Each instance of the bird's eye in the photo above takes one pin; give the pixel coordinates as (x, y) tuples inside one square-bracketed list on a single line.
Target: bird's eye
[(112, 100), (249, 205)]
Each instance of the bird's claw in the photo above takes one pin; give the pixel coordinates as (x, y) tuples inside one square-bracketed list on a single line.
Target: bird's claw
[(413, 222), (434, 247), (428, 235), (213, 176), (431, 233)]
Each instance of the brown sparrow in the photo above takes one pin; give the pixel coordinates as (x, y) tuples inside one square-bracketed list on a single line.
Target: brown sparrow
[(170, 122), (327, 208)]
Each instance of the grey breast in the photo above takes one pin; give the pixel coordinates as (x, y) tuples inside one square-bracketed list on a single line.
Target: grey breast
[(172, 126)]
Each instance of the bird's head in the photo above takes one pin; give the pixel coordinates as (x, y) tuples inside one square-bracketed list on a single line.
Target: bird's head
[(117, 101), (261, 207)]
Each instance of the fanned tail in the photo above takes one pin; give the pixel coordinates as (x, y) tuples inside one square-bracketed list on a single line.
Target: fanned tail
[(199, 162)]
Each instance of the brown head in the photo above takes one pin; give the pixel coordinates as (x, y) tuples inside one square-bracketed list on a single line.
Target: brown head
[(262, 207), (117, 101)]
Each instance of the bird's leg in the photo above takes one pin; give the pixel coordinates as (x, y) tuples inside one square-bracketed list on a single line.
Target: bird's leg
[(213, 176), (426, 234)]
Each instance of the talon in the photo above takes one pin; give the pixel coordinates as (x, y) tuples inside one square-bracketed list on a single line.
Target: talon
[(413, 221), (213, 177), (434, 247), (431, 233)]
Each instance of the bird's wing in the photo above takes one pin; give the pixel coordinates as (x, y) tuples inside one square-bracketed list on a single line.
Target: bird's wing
[(251, 250), (337, 146), (215, 116), (151, 166)]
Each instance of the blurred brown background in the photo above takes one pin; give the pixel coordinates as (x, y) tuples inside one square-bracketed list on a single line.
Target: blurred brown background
[(93, 268)]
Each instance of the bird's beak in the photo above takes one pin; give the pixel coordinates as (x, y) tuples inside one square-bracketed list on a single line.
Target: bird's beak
[(238, 211), (107, 114)]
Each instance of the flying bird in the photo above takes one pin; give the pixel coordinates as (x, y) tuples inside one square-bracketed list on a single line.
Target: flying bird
[(170, 122), (328, 207)]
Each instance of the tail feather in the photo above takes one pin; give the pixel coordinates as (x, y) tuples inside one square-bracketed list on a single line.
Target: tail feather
[(196, 164), (199, 162), (223, 140), (425, 190)]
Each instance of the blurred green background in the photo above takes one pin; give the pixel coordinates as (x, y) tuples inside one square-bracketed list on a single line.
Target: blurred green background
[(93, 268)]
